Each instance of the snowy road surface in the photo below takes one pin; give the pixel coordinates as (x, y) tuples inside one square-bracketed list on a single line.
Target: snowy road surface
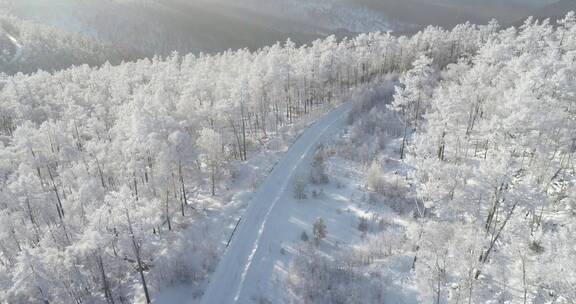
[(244, 272)]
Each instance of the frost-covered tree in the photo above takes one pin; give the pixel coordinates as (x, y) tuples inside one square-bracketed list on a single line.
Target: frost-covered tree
[(411, 99), (375, 178), (319, 230), (494, 151), (318, 175), (299, 185), (491, 159), (211, 144)]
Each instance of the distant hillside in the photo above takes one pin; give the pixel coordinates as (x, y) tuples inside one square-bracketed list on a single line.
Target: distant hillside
[(160, 27), (163, 26), (27, 47), (7, 48), (191, 26), (210, 26), (421, 13), (556, 10)]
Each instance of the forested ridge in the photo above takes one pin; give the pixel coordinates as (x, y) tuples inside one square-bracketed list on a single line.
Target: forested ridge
[(44, 48), (100, 166)]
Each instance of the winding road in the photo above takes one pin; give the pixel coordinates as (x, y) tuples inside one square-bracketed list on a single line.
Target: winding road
[(244, 271)]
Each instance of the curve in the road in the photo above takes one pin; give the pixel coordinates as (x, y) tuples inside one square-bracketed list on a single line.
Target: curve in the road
[(227, 283)]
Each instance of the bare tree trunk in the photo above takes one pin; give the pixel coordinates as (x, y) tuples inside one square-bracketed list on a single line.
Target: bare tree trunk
[(417, 112), (438, 289), (277, 116), (471, 282), (213, 178), (523, 259), (100, 172), (245, 157), (135, 185), (59, 207), (105, 283), (138, 258), (484, 257), (33, 220), (442, 147), (44, 298), (416, 250), (183, 189), (167, 210), (30, 214), (495, 204), (403, 147), (237, 136)]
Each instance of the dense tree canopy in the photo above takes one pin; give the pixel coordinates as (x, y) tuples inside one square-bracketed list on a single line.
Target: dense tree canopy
[(97, 164)]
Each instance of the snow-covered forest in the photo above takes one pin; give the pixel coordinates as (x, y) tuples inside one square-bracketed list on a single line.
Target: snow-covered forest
[(470, 181), (118, 181)]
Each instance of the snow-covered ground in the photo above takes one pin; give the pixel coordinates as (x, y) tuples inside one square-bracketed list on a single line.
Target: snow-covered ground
[(246, 269)]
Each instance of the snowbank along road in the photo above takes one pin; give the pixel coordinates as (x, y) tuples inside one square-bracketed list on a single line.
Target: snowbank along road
[(243, 274)]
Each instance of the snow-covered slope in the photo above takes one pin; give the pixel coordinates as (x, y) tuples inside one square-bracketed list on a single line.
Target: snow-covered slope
[(555, 10), (326, 14), (164, 26), (246, 267), (27, 47)]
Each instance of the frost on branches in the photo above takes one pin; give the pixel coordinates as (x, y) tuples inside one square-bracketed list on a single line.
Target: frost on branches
[(496, 155), (487, 147), (101, 168)]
